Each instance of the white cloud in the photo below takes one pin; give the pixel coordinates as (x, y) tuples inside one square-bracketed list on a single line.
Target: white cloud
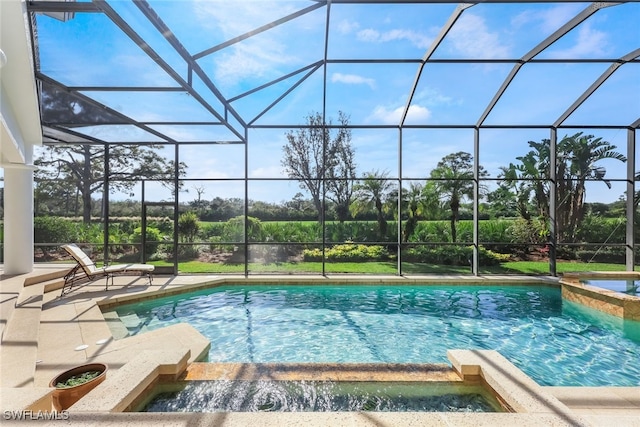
[(556, 17), (236, 17), (207, 168), (545, 21), (416, 114), (470, 36), (254, 57), (373, 36), (369, 35), (134, 65), (432, 97), (346, 27), (267, 172), (119, 133), (250, 59), (589, 42), (352, 79)]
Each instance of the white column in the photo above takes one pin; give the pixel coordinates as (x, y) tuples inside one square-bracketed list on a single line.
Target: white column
[(18, 221)]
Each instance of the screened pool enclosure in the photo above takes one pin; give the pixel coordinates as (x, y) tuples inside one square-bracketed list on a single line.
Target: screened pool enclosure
[(319, 137)]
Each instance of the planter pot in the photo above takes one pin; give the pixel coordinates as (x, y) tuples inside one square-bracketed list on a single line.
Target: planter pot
[(63, 398)]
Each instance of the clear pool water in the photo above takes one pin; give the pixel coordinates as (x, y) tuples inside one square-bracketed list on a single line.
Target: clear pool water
[(553, 341), (322, 396), (629, 287)]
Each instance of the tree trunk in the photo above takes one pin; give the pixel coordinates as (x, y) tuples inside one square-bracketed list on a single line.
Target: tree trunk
[(409, 227), (318, 204), (86, 186), (342, 212), (382, 223), (455, 206), (86, 207), (577, 210)]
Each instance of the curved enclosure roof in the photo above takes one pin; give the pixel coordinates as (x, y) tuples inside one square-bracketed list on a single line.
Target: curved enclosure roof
[(208, 71)]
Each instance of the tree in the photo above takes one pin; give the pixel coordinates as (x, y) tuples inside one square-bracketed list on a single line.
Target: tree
[(188, 226), (576, 160), (530, 179), (299, 207), (372, 192), (199, 189), (312, 155), (502, 202), (199, 204), (419, 202), (55, 198), (413, 200), (453, 177), (341, 169), (84, 166)]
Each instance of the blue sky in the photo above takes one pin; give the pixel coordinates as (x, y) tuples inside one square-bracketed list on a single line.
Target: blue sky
[(90, 51)]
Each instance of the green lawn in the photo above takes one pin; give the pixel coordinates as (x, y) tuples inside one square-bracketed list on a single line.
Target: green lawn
[(516, 267)]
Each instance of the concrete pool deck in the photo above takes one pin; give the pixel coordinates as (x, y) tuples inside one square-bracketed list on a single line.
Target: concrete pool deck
[(43, 334)]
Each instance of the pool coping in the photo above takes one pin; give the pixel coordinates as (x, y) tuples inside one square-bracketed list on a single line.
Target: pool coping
[(516, 390), (615, 303), (330, 280), (77, 319)]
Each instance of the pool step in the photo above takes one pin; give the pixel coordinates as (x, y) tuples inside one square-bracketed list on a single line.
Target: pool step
[(119, 391), (587, 400), (131, 321), (322, 372), (19, 348), (47, 277), (117, 328)]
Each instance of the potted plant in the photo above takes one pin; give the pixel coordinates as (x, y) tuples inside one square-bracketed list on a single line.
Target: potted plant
[(74, 383)]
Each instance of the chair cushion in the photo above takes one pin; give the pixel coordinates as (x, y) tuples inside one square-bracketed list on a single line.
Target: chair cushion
[(121, 268)]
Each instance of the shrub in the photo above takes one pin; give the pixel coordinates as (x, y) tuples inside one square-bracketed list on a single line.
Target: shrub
[(126, 225), (211, 229), (164, 224), (610, 254), (353, 230), (597, 229), (154, 238), (431, 231), (528, 233), (452, 255), (348, 252), (495, 230), (48, 229), (215, 244), (188, 252), (188, 226), (233, 230), (291, 232)]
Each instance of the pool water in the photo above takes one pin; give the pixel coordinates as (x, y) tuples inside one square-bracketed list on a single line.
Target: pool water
[(322, 396), (629, 287), (553, 341)]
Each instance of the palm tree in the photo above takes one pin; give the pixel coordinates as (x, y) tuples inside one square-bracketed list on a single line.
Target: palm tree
[(577, 158), (413, 202), (532, 176), (453, 177), (372, 192)]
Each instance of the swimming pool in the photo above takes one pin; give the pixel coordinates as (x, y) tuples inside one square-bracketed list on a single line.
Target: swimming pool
[(553, 341), (629, 287), (321, 396)]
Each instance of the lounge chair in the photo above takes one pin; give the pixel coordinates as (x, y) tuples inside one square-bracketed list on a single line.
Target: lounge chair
[(86, 270)]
